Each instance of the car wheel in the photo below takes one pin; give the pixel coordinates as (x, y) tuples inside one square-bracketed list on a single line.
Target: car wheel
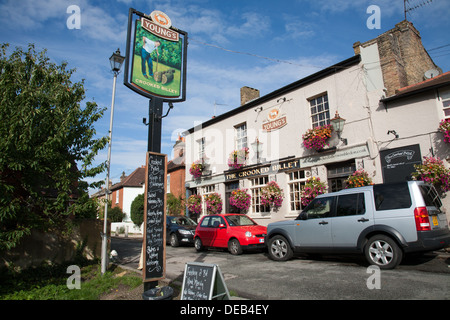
[(198, 244), (383, 252), (279, 249), (174, 240), (234, 247)]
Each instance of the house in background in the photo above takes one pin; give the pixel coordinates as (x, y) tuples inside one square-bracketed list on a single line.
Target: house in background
[(176, 170)]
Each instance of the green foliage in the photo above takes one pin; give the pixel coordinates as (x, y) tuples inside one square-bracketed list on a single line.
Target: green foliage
[(44, 134), (137, 210), (50, 283), (175, 206)]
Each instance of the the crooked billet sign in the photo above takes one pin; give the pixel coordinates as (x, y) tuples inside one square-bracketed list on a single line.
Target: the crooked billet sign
[(156, 57)]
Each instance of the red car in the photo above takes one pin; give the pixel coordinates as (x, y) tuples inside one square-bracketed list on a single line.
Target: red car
[(237, 232)]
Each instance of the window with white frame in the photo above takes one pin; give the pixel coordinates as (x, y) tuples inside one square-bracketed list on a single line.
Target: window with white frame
[(255, 186), (445, 96), (241, 136), (320, 110), (201, 148), (296, 180), (205, 191)]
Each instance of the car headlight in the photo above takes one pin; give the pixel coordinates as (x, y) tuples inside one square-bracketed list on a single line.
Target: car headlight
[(185, 232), (248, 234)]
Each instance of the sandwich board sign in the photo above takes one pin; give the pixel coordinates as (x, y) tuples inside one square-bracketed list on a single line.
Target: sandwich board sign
[(203, 281)]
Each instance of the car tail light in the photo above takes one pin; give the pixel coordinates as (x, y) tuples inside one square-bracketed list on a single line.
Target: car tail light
[(422, 219)]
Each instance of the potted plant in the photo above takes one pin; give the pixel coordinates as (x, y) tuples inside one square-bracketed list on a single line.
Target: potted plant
[(434, 172), (194, 204), (359, 178), (317, 137), (213, 203), (444, 127), (237, 158), (196, 169), (240, 199), (272, 195), (312, 188)]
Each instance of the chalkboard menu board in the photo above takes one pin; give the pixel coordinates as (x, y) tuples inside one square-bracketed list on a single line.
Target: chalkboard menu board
[(155, 217), (397, 164), (203, 282)]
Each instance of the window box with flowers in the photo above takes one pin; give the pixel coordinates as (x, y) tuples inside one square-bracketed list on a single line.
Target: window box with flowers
[(213, 203), (272, 195), (196, 169), (240, 199), (312, 188), (434, 172), (317, 137), (237, 158), (359, 178), (444, 127), (194, 204)]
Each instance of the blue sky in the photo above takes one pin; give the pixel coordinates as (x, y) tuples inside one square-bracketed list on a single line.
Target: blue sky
[(234, 43)]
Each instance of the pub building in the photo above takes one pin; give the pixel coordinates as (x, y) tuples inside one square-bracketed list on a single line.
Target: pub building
[(384, 112)]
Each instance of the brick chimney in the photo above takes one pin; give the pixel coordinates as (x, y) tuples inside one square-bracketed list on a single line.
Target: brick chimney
[(248, 94)]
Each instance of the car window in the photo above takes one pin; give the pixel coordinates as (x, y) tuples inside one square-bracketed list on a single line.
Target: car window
[(319, 208), (392, 196), (236, 220), (184, 221), (350, 205), (205, 222), (430, 196), (216, 221)]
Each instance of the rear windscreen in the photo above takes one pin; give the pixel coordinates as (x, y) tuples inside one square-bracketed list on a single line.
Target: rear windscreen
[(430, 196), (392, 196)]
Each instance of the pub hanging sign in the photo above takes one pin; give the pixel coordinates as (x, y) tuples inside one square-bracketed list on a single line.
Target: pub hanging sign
[(155, 63)]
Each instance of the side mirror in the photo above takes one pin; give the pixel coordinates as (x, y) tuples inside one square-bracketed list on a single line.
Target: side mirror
[(303, 216), (222, 226)]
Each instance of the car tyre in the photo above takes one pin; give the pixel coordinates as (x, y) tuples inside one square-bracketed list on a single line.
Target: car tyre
[(279, 248), (198, 244), (383, 252), (234, 247), (174, 240)]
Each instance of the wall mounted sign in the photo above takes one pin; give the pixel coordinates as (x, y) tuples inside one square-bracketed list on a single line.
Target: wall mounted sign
[(274, 121), (272, 168), (397, 164), (155, 64), (155, 217)]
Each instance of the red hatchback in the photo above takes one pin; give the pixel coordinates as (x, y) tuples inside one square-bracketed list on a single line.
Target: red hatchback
[(237, 232)]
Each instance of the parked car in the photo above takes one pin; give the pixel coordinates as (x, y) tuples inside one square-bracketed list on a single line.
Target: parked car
[(237, 232), (180, 230), (383, 221)]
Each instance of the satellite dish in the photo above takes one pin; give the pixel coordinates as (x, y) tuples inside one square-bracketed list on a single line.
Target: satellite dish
[(431, 73)]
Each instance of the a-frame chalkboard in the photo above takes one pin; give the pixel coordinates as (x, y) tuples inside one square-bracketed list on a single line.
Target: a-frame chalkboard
[(203, 281), (155, 217)]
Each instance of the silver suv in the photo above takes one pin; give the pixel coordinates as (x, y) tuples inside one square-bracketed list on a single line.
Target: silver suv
[(382, 221)]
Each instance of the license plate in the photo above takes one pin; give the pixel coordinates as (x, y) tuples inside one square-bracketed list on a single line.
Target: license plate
[(435, 221), (261, 240)]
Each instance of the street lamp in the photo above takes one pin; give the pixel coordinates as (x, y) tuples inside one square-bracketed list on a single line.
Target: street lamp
[(116, 61), (338, 125)]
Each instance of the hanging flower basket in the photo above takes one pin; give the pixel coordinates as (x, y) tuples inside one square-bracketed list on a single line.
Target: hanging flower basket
[(444, 127), (312, 188), (359, 178), (196, 169), (194, 204), (317, 138), (434, 172), (240, 199), (272, 195), (213, 203), (237, 158)]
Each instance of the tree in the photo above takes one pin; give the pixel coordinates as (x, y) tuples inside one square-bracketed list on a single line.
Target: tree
[(137, 210), (45, 135), (175, 205)]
